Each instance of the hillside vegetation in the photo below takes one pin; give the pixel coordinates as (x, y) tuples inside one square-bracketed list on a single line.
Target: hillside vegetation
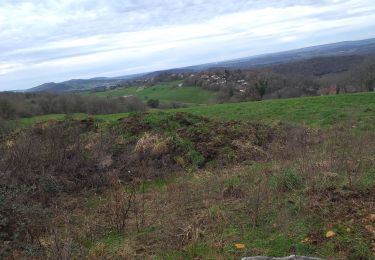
[(274, 178), (26, 105), (313, 111)]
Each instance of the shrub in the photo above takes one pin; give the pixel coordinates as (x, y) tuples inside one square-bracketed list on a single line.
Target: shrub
[(196, 159), (120, 207), (5, 127), (22, 222), (154, 103), (55, 159), (288, 181)]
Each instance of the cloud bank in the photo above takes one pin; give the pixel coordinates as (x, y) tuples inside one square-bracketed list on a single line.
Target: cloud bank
[(52, 40)]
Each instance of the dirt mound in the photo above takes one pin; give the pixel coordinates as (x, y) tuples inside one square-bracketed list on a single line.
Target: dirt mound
[(179, 141), (155, 143)]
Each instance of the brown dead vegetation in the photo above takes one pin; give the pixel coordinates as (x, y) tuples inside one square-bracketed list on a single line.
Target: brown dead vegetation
[(56, 167)]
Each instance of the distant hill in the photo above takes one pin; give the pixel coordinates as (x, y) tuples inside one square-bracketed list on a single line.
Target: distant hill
[(319, 66), (75, 85), (347, 48), (335, 49)]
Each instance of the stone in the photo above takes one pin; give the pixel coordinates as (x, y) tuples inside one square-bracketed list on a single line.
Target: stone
[(330, 234)]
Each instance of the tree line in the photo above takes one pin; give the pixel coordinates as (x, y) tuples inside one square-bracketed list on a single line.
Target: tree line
[(19, 105)]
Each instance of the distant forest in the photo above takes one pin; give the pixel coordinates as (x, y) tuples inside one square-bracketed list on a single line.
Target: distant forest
[(317, 76)]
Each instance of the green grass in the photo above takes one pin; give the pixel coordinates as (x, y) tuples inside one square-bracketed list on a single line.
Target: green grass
[(24, 122), (314, 111), (110, 242), (321, 111), (40, 119), (168, 91)]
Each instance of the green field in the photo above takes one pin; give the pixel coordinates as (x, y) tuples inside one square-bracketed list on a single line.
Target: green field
[(319, 111), (168, 91), (313, 111)]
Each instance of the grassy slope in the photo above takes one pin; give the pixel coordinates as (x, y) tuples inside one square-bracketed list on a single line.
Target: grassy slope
[(313, 111), (272, 236), (164, 92)]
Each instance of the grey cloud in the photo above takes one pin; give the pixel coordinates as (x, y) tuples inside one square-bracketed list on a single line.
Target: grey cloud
[(83, 38)]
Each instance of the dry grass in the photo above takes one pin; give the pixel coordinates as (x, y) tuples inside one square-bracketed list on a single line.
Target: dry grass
[(281, 204)]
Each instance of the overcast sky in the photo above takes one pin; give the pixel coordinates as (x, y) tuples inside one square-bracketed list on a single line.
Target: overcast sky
[(56, 40)]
